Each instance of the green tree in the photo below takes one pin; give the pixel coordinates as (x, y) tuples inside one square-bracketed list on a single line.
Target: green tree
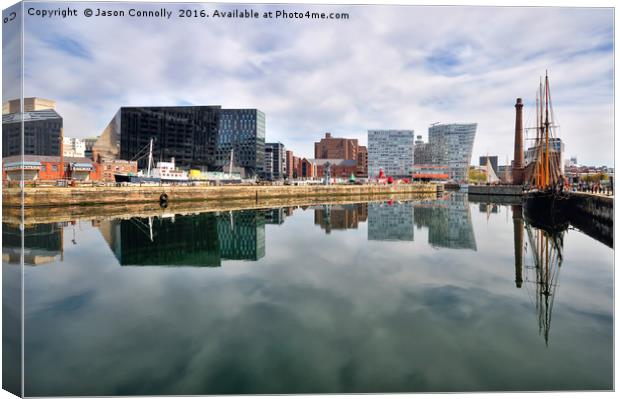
[(477, 176)]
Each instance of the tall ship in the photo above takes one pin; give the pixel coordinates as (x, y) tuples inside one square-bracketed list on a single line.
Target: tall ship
[(165, 172), (545, 200)]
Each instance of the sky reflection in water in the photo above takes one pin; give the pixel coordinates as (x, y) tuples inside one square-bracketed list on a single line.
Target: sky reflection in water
[(373, 297)]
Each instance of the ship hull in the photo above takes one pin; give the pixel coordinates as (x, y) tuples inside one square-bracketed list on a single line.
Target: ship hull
[(135, 179), (546, 210)]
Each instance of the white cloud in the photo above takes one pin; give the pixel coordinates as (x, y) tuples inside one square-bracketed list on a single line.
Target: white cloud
[(393, 67)]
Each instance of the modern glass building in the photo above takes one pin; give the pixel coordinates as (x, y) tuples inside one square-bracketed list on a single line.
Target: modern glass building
[(42, 133), (275, 161), (452, 145), (199, 137), (390, 150), (242, 135)]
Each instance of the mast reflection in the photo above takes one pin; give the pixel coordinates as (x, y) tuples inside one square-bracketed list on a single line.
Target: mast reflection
[(543, 269)]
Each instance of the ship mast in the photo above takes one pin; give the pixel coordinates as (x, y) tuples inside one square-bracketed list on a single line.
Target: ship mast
[(150, 158), (547, 163)]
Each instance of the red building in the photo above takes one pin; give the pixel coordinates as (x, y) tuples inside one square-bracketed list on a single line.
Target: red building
[(362, 161), (111, 166), (43, 167), (342, 168), (335, 148)]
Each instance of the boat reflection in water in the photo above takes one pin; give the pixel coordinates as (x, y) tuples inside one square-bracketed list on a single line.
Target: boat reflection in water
[(537, 260), (544, 256)]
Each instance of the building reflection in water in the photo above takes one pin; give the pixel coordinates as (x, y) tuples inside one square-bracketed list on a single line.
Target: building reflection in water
[(43, 243), (448, 221), (517, 224), (340, 216), (390, 221), (488, 208), (204, 239)]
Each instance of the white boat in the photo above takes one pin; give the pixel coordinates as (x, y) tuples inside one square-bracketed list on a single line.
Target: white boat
[(167, 172)]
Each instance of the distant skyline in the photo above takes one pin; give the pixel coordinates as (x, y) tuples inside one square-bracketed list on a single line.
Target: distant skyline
[(386, 67)]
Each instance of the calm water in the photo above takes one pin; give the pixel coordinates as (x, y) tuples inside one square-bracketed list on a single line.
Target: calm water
[(390, 296)]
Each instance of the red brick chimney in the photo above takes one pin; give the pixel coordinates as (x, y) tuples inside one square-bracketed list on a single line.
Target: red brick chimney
[(519, 162)]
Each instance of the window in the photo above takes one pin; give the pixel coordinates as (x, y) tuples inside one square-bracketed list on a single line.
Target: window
[(54, 168)]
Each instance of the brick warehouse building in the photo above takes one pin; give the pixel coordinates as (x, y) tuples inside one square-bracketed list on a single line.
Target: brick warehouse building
[(335, 148), (42, 167)]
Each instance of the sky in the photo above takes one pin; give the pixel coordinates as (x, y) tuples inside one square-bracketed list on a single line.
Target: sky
[(386, 67)]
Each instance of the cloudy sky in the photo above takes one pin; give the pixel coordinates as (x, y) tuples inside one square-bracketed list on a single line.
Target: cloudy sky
[(399, 67)]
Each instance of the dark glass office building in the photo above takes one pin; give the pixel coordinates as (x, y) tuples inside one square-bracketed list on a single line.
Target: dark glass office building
[(242, 136), (42, 133), (198, 137)]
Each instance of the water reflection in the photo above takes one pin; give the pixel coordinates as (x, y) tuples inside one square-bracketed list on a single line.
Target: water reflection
[(390, 221), (343, 301), (340, 216), (189, 240), (43, 244), (544, 262), (543, 258), (448, 221), (208, 239)]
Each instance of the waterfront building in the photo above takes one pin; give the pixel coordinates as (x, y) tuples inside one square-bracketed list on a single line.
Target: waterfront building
[(197, 137), (290, 165), (73, 147), (89, 142), (30, 104), (110, 167), (492, 160), (342, 168), (43, 167), (242, 134), (186, 133), (389, 221), (41, 134), (452, 145), (426, 166), (362, 161), (430, 172), (335, 148), (422, 152), (390, 150), (306, 169), (275, 161)]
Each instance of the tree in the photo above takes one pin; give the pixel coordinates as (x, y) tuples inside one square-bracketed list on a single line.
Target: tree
[(477, 176)]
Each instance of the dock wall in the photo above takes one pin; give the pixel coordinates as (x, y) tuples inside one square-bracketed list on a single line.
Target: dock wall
[(495, 190), (594, 215), (596, 206), (79, 196)]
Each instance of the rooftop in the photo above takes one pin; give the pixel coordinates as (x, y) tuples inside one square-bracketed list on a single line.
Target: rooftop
[(31, 116)]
